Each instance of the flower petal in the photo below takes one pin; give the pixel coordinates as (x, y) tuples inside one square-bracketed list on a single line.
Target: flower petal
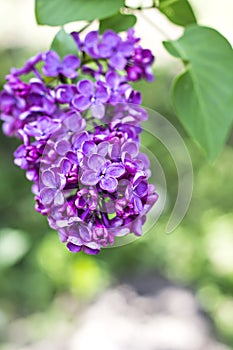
[(118, 61), (75, 122), (71, 62), (89, 178), (91, 38), (85, 233), (137, 205), (111, 38), (48, 179), (115, 151), (115, 170), (81, 102), (137, 226), (113, 79), (65, 93), (130, 147), (142, 189), (108, 183), (98, 110), (79, 139), (59, 198), (47, 195), (52, 63), (62, 147), (90, 251), (103, 148), (102, 93), (73, 247), (96, 162), (138, 177), (65, 166), (86, 88), (89, 147)]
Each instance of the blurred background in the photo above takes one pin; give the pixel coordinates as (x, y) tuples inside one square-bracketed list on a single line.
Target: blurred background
[(162, 292)]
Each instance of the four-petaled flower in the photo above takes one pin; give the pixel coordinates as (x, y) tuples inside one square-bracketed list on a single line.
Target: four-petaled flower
[(91, 96), (67, 67), (99, 170), (52, 186)]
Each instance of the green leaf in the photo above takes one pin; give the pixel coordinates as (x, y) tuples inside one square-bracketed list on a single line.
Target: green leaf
[(59, 12), (202, 95), (64, 44), (118, 22), (178, 11)]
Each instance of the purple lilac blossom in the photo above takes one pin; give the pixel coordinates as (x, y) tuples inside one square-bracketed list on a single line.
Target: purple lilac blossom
[(90, 182), (67, 67), (91, 96)]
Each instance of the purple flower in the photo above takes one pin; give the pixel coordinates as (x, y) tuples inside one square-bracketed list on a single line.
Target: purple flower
[(79, 237), (118, 87), (25, 155), (91, 96), (86, 198), (52, 185), (67, 67), (137, 191), (116, 49), (64, 93), (72, 124), (89, 179), (70, 170), (140, 65), (42, 128), (102, 235), (101, 171), (110, 46)]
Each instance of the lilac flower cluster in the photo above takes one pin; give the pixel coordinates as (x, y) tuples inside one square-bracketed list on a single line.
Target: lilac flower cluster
[(80, 138)]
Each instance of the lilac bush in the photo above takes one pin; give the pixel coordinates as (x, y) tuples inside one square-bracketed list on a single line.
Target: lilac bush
[(79, 121)]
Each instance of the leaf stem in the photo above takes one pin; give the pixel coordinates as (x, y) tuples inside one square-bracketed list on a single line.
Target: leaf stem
[(139, 8), (85, 27)]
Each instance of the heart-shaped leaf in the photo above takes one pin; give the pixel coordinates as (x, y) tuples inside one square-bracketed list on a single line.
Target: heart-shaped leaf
[(178, 11), (118, 22), (64, 44), (203, 94), (59, 12)]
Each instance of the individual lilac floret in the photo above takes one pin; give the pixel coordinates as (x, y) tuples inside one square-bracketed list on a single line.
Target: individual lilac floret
[(140, 65), (110, 46), (67, 67), (91, 96), (42, 128), (100, 170), (53, 184), (120, 90)]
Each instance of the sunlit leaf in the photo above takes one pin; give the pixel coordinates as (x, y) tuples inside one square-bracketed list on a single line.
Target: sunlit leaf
[(178, 11), (64, 44), (59, 12), (118, 22), (202, 95)]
